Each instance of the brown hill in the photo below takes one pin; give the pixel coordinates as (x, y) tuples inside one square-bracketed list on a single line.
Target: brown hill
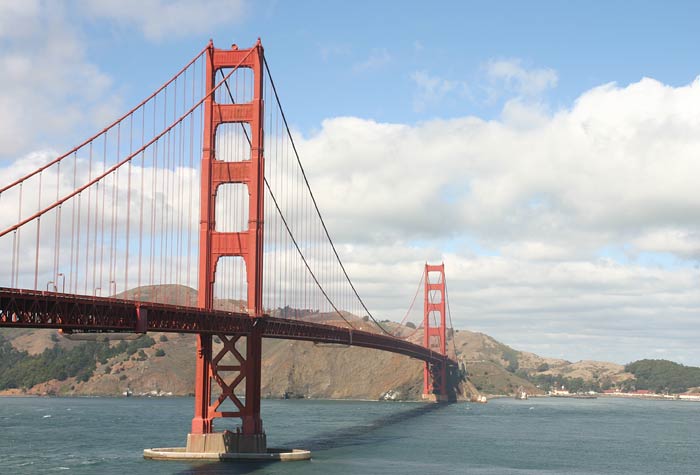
[(290, 368), (302, 369)]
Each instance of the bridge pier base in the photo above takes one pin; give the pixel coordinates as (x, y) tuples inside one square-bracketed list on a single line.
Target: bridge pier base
[(182, 455), (437, 398), (227, 442), (226, 446)]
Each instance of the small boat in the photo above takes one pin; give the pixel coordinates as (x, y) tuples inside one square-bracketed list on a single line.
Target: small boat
[(521, 394)]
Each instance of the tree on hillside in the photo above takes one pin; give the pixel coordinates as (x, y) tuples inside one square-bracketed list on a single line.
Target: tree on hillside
[(663, 375)]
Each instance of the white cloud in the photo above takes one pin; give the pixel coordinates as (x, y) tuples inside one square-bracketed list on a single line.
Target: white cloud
[(516, 294), (546, 193), (47, 84), (593, 172), (677, 241), (512, 76), (432, 90), (71, 245), (158, 19), (16, 18), (518, 114)]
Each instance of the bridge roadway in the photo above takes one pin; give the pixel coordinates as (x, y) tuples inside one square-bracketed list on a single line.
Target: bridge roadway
[(40, 309)]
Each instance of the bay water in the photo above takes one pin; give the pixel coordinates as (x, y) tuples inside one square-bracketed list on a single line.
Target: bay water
[(537, 436)]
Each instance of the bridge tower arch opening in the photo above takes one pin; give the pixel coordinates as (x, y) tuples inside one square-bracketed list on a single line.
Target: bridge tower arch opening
[(246, 243)]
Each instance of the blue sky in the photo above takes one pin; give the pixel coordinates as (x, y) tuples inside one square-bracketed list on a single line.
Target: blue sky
[(357, 58), (517, 141), (360, 58)]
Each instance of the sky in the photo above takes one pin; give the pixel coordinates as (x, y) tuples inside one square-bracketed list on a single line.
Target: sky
[(548, 152)]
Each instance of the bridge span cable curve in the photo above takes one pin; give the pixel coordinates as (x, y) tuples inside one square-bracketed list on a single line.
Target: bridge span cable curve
[(119, 164), (286, 224), (415, 296), (403, 320), (315, 204), (449, 314), (303, 258), (104, 217), (106, 129)]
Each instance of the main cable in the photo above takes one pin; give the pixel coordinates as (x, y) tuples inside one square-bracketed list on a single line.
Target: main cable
[(313, 199), (284, 220), (415, 296), (449, 314)]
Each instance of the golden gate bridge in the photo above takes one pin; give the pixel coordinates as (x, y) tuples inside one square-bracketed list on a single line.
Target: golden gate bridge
[(107, 238)]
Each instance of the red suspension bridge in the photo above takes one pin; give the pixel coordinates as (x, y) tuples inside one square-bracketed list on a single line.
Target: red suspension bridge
[(107, 238)]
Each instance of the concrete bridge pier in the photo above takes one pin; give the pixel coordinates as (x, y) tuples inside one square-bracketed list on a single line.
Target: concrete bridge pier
[(227, 442), (441, 383), (226, 446)]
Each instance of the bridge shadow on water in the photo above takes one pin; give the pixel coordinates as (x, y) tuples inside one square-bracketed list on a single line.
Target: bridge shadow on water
[(357, 435)]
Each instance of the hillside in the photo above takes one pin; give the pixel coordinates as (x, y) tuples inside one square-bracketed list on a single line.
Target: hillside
[(292, 368), (164, 363), (663, 376)]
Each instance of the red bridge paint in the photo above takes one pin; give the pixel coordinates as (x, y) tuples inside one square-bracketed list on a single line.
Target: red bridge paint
[(246, 244), (69, 310), (435, 328), (38, 309)]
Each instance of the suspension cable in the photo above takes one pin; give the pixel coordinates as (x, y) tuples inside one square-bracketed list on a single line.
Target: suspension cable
[(128, 159), (415, 296), (313, 199), (284, 221), (106, 129), (449, 314)]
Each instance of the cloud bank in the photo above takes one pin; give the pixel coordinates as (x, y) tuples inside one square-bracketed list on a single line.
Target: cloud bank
[(574, 233), (159, 19), (48, 86)]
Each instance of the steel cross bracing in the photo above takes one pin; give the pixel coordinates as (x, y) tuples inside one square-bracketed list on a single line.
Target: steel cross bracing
[(92, 238)]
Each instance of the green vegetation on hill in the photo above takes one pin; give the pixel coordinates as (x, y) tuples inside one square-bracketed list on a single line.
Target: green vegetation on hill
[(511, 356), (18, 369), (663, 375)]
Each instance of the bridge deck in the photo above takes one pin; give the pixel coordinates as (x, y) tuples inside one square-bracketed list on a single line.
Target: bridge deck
[(39, 309)]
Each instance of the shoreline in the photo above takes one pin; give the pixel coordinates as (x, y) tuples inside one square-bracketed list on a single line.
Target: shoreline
[(182, 396), (649, 397), (652, 397)]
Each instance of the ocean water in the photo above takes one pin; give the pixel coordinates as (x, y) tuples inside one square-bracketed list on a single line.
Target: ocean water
[(537, 436)]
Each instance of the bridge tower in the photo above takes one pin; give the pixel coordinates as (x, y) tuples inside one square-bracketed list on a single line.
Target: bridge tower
[(435, 332), (211, 372)]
